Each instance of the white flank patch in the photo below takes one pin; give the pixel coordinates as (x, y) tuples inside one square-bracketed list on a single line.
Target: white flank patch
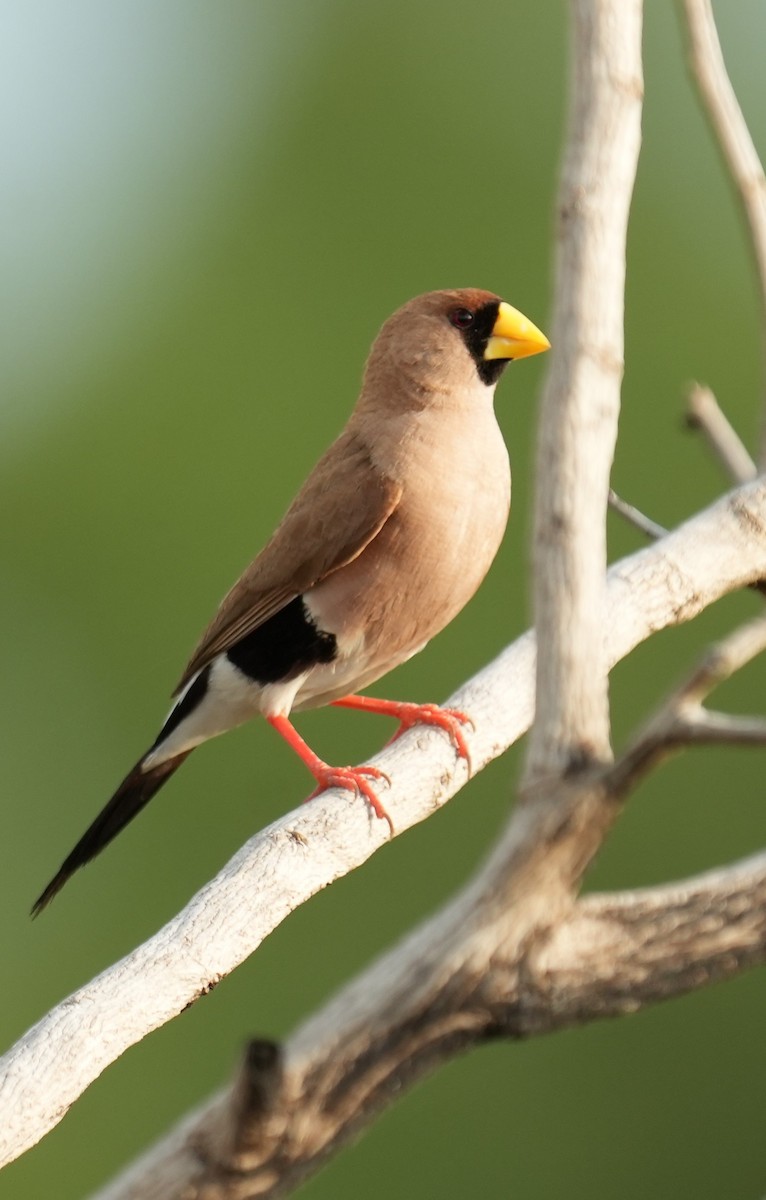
[(230, 700)]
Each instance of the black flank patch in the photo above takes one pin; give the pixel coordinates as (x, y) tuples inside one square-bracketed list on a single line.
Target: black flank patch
[(286, 644)]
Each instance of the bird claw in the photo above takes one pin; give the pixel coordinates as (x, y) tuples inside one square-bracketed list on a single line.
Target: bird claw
[(409, 714), (353, 779), (448, 719)]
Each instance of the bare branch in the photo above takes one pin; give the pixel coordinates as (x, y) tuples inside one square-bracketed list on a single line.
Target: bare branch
[(726, 658), (453, 985), (682, 720), (581, 398), (618, 953), (733, 136), (707, 728), (635, 517), (253, 1097), (719, 550), (704, 413)]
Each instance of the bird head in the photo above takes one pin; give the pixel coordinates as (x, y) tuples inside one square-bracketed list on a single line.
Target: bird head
[(442, 341)]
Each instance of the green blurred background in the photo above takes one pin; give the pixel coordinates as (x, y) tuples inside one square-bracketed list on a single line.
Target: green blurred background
[(209, 210)]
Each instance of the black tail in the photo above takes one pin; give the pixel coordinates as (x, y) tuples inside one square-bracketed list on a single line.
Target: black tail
[(135, 791)]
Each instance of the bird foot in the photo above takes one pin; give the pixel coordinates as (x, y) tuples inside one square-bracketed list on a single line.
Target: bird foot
[(448, 719), (352, 778), (451, 720), (408, 714)]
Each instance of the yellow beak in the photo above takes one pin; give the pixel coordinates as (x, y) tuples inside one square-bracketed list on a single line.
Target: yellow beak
[(514, 336)]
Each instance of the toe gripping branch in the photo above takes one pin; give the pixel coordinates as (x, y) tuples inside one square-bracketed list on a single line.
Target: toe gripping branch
[(451, 720), (357, 779)]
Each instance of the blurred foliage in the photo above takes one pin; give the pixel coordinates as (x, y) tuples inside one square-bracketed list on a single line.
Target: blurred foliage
[(210, 210)]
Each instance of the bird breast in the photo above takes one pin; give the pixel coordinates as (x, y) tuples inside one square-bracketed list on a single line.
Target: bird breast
[(425, 563)]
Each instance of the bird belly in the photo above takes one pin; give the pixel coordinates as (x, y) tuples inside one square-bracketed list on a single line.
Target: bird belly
[(384, 606), (325, 683)]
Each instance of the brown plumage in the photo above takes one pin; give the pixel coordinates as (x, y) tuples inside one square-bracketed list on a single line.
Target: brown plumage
[(389, 537), (320, 532)]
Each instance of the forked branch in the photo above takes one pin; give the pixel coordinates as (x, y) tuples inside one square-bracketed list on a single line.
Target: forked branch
[(683, 720), (516, 953), (513, 956)]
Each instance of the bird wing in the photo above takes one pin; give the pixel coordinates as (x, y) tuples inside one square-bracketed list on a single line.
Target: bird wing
[(341, 507)]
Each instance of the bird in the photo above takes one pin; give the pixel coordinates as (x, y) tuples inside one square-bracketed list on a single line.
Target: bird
[(389, 537)]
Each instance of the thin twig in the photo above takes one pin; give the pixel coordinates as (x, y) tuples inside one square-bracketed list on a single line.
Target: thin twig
[(734, 141), (635, 517), (708, 728), (725, 658), (681, 720), (703, 412)]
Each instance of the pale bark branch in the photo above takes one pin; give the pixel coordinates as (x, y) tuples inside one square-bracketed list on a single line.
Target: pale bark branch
[(635, 517), (707, 728), (717, 551), (682, 720), (619, 953), (735, 143), (455, 983), (703, 412), (581, 398)]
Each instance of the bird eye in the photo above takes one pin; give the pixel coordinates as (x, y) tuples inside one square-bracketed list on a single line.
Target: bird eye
[(461, 318)]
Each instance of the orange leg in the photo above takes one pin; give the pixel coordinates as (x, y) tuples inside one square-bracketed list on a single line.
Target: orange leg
[(326, 776), (448, 719)]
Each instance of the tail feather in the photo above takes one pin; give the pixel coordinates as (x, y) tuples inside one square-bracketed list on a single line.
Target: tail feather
[(135, 791)]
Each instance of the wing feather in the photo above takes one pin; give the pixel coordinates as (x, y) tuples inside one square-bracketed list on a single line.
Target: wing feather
[(340, 509)]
